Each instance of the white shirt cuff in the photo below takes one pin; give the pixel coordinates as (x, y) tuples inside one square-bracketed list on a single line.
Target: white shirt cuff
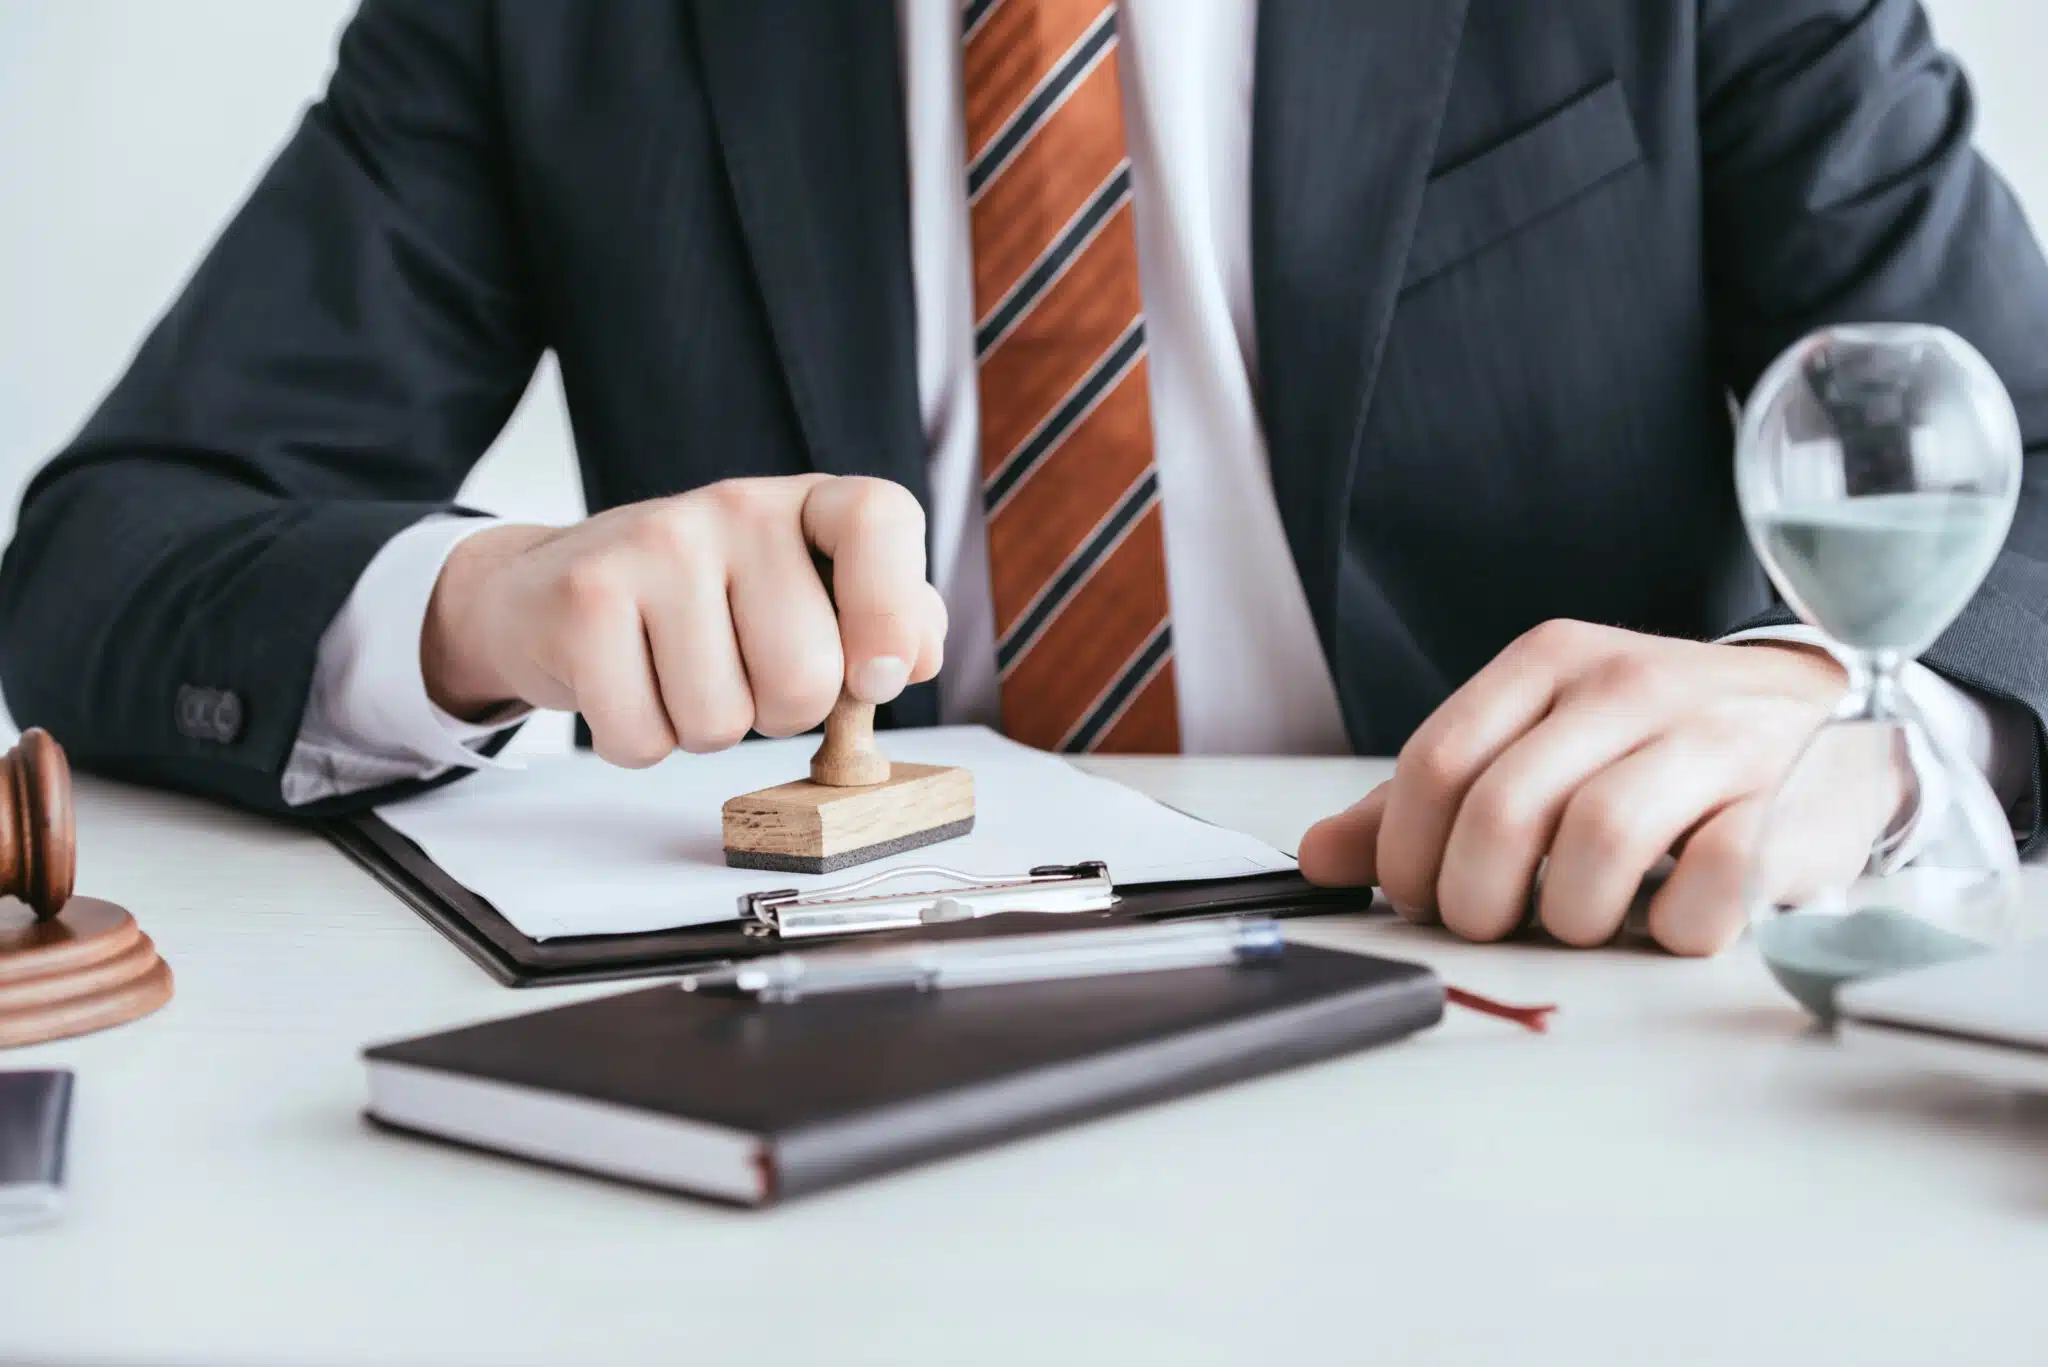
[(1995, 735), (368, 720)]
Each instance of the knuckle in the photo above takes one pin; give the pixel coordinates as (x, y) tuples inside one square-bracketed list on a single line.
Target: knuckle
[(1498, 811), (1602, 822), (1559, 638), (1720, 853), (1459, 907), (885, 631), (876, 506), (746, 502), (938, 617), (1435, 763), (1470, 920), (1403, 882), (715, 729), (674, 531), (629, 747), (658, 531), (1705, 916), (802, 694), (1724, 724), (814, 683), (1578, 932), (1402, 875), (594, 585), (1631, 677)]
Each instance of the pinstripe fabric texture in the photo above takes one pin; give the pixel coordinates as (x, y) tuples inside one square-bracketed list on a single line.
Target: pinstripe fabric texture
[(1077, 558)]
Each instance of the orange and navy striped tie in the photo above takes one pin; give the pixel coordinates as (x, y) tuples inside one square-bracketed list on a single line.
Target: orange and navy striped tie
[(1077, 556)]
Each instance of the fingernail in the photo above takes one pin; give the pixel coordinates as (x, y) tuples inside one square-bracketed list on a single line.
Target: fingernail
[(1405, 912), (880, 679)]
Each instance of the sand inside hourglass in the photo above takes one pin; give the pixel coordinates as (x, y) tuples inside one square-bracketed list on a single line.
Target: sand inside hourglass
[(1811, 954), (1886, 571)]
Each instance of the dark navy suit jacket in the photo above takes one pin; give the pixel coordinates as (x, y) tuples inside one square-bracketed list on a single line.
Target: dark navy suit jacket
[(1511, 259)]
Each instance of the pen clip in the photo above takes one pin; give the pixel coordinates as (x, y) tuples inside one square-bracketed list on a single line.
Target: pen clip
[(848, 908)]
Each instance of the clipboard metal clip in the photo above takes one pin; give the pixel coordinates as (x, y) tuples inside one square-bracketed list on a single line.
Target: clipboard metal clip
[(851, 907)]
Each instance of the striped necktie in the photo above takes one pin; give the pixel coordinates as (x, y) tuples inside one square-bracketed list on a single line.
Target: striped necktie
[(1077, 556)]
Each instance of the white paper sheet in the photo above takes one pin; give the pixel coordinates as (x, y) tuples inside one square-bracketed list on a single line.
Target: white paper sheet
[(575, 846)]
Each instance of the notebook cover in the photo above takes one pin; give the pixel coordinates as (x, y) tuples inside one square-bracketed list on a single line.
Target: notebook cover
[(844, 1087), (513, 958)]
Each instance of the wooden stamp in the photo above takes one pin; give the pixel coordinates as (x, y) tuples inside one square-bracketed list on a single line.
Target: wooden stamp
[(855, 806), (68, 964)]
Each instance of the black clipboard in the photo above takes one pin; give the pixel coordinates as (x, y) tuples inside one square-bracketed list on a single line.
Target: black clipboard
[(516, 960)]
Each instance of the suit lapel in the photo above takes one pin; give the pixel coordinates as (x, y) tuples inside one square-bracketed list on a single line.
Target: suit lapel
[(808, 101), (809, 108), (1347, 102)]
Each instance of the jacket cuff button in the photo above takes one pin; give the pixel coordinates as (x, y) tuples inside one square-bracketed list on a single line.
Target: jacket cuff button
[(209, 714)]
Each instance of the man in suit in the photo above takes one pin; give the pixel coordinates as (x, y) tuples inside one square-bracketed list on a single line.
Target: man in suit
[(1318, 375)]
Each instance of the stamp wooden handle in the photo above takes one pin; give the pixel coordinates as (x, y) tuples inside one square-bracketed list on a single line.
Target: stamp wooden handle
[(849, 758)]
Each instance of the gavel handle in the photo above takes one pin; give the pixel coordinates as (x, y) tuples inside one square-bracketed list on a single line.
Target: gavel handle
[(849, 758)]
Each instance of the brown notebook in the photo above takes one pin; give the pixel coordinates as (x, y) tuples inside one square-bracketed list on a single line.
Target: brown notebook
[(753, 1103)]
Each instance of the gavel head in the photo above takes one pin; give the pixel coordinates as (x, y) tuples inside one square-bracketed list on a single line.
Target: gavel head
[(38, 839)]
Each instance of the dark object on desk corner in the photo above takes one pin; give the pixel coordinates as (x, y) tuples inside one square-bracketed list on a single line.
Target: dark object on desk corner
[(855, 807), (35, 1120), (753, 1103), (498, 947), (68, 965)]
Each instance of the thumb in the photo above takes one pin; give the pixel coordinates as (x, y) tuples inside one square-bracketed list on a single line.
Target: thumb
[(873, 533), (1339, 851)]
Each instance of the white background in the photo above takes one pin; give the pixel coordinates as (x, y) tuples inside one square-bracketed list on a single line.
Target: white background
[(130, 129)]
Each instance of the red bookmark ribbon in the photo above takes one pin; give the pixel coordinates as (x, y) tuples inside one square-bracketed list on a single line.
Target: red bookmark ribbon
[(1533, 1018)]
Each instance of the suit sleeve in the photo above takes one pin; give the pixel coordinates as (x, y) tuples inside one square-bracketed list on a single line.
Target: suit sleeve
[(349, 347), (1842, 184)]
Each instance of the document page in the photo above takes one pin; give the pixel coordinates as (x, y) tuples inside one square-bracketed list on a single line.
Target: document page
[(575, 846)]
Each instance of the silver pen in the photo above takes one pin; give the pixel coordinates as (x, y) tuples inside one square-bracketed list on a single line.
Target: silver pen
[(998, 959)]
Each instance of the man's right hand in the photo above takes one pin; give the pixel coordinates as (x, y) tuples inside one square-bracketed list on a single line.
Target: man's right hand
[(685, 622)]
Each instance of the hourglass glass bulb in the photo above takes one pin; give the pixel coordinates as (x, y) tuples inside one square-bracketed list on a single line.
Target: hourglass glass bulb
[(1877, 471)]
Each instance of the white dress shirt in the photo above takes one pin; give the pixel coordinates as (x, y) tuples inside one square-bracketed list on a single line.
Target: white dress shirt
[(1251, 675)]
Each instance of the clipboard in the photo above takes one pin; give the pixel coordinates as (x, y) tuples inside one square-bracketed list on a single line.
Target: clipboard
[(516, 960)]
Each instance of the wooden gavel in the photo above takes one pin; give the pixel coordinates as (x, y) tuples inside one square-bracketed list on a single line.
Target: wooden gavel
[(80, 964)]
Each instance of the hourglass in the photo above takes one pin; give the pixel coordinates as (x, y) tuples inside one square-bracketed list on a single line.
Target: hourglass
[(1877, 469)]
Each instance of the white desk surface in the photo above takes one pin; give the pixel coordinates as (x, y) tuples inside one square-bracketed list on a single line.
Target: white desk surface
[(1679, 1172)]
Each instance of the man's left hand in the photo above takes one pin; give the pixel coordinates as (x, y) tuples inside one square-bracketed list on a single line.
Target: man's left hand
[(1602, 750)]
